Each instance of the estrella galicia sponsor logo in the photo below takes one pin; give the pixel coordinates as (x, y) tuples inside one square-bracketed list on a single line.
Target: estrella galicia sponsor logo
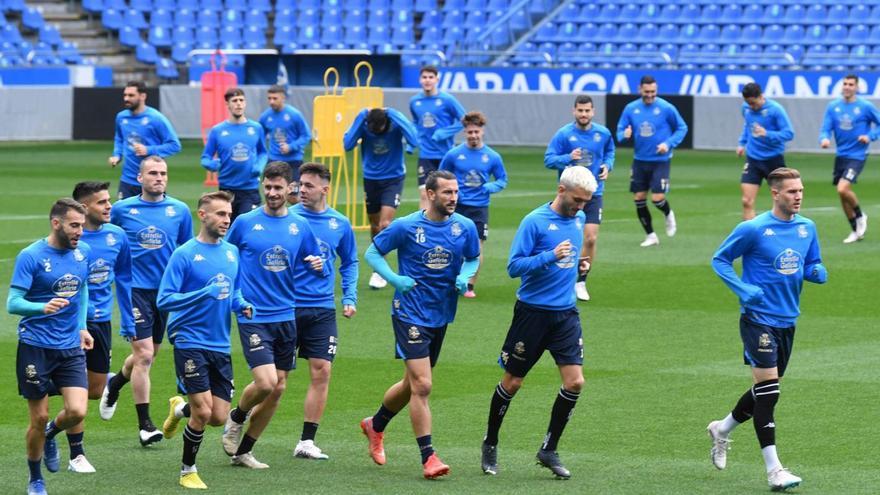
[(437, 258), (225, 284), (275, 259), (67, 285), (567, 262), (240, 152), (788, 262), (151, 237), (99, 271)]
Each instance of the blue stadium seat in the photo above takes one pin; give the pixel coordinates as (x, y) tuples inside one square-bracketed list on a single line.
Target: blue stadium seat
[(730, 56), (146, 53), (184, 17), (183, 34), (240, 5), (285, 17), (135, 19), (690, 13), (129, 36), (709, 33), (753, 13), (161, 18), (500, 38), (308, 17), (379, 35), (453, 35), (141, 5), (731, 14), (648, 32), (816, 57), (402, 5), (32, 19), (670, 13), (626, 32), (493, 5), (610, 13), (14, 6), (541, 7), (731, 33), (570, 12), (167, 69), (187, 4), (796, 52), (629, 12), (402, 35), (207, 35), (354, 17), (816, 14), (331, 34), (211, 5), (568, 53), (838, 13), (859, 33), (431, 18), (815, 35), (794, 33), (230, 35), (261, 5), (475, 5), (874, 18), (774, 57), (474, 18), (10, 34), (256, 17), (234, 18), (50, 34), (379, 4), (650, 13), (93, 6), (752, 33), (453, 18), (836, 34), (711, 13), (208, 17), (607, 31), (566, 31), (669, 32), (331, 17), (587, 32), (859, 13), (308, 35), (589, 13), (875, 33), (689, 33), (432, 35), (520, 20), (69, 53), (795, 14), (283, 35), (773, 34), (774, 14), (547, 32), (159, 36), (424, 5), (254, 37)]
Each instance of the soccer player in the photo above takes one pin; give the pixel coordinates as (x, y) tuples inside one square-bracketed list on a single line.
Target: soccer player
[(437, 253), (590, 145), (381, 131), (472, 162), (49, 291), (109, 263), (287, 132), (779, 250), (155, 224), (271, 240), (656, 128), (850, 119), (437, 115), (766, 129), (200, 289), (317, 335), (236, 149), (141, 131), (544, 255)]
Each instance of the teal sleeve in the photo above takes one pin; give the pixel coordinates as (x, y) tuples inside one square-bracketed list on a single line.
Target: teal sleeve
[(16, 304), (83, 307), (378, 263), (469, 268)]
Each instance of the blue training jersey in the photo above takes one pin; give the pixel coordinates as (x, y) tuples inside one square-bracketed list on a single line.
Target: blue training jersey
[(438, 120), (149, 128), (382, 154), (109, 263), (777, 256), (336, 238), (270, 248), (547, 283), (200, 290), (431, 253), (287, 126), (597, 149), (241, 154), (46, 273), (154, 231), (651, 125), (848, 121), (472, 168), (774, 120)]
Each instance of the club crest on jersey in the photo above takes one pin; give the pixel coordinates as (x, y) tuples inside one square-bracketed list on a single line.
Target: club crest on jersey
[(788, 262), (485, 158), (519, 348), (47, 265), (136, 314), (229, 256), (77, 255), (189, 366), (110, 239), (656, 111), (293, 229), (286, 117), (333, 224), (456, 229), (764, 340), (225, 285), (437, 258), (420, 235), (250, 131), (275, 259), (124, 121), (30, 371), (170, 211), (413, 333), (151, 237), (67, 285), (597, 137), (396, 303), (254, 340), (802, 231), (145, 121), (764, 112), (857, 110)]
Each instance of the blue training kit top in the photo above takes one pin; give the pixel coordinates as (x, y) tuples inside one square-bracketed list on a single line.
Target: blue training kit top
[(651, 125), (241, 154), (150, 128), (472, 168), (597, 149), (774, 120), (848, 121), (438, 120)]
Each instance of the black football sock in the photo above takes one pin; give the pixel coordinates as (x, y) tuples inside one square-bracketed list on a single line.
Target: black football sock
[(425, 447), (562, 409), (663, 206), (766, 396), (498, 407), (75, 442), (246, 445), (143, 412), (309, 431), (192, 440), (381, 418), (644, 215)]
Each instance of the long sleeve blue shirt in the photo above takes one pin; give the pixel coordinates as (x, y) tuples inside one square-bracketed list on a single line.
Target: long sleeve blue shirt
[(438, 120), (241, 154), (154, 231), (336, 240), (652, 124), (149, 128), (472, 168), (382, 154), (845, 122), (109, 263), (777, 256), (287, 126), (772, 117), (597, 149)]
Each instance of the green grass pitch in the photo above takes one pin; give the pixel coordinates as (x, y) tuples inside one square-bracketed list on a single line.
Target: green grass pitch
[(663, 355)]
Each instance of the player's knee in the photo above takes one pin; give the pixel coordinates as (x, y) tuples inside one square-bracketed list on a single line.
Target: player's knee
[(575, 384), (39, 420), (843, 188), (218, 418), (420, 386), (321, 372), (512, 384), (748, 201), (265, 386), (95, 391), (201, 413), (383, 224), (75, 413)]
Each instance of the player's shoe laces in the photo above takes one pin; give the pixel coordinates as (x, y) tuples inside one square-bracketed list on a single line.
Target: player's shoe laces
[(248, 460), (550, 460), (80, 464), (306, 449), (489, 459), (107, 408), (651, 240), (149, 435), (470, 294), (377, 448), (720, 445), (191, 480), (780, 479), (861, 225), (37, 487), (434, 468), (169, 427), (580, 290), (377, 282), (231, 436), (671, 227), (51, 456)]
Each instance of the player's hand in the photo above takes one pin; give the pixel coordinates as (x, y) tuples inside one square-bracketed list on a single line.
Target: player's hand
[(662, 149), (740, 151), (576, 154), (86, 341), (113, 161), (55, 305), (758, 130), (755, 295), (248, 312), (139, 149), (285, 148), (628, 132), (403, 283), (826, 143), (127, 333), (584, 265), (316, 263), (348, 310), (603, 172), (562, 250), (864, 139)]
